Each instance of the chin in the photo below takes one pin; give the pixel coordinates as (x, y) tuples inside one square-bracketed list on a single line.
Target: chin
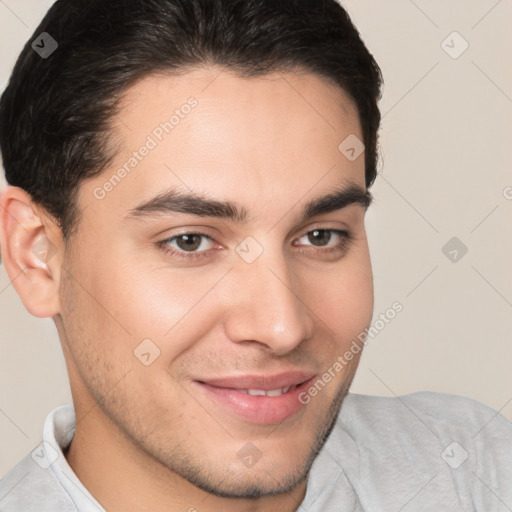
[(252, 485)]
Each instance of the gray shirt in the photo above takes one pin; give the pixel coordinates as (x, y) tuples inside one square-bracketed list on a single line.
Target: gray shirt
[(419, 452)]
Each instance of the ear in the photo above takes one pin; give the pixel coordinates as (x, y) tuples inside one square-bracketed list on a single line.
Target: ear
[(31, 246)]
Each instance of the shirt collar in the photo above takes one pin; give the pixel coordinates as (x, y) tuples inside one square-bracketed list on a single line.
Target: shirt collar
[(58, 431)]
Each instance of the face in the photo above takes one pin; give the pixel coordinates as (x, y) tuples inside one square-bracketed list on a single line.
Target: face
[(199, 328)]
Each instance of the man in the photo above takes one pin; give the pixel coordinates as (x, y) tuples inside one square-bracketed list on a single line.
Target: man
[(196, 231)]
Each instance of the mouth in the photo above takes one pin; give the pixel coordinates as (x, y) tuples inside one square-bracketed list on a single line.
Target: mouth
[(268, 392), (263, 399)]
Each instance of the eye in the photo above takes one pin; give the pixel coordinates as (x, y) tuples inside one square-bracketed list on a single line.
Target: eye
[(187, 245), (194, 246), (325, 237)]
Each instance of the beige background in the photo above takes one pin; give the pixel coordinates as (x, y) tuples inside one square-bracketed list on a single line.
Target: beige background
[(446, 139)]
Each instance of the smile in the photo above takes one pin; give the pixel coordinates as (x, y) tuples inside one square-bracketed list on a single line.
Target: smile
[(262, 400)]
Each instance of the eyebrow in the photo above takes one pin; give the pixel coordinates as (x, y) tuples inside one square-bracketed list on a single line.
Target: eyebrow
[(191, 203)]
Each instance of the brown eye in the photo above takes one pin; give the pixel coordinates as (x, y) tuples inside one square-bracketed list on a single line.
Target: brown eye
[(187, 245), (319, 236), (326, 237), (190, 242)]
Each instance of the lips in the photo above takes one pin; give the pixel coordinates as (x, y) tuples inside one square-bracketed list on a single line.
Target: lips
[(259, 399), (265, 382)]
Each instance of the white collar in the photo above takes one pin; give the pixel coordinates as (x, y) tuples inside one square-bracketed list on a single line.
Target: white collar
[(58, 431)]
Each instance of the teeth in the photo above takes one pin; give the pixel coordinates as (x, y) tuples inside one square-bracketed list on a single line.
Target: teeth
[(256, 392), (270, 392)]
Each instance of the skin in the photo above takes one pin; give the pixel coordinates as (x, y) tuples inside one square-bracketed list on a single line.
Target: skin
[(270, 144)]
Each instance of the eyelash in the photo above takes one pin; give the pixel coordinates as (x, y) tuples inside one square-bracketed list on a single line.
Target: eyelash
[(343, 244)]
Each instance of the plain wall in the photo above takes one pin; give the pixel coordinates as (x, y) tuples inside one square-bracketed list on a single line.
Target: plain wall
[(446, 164)]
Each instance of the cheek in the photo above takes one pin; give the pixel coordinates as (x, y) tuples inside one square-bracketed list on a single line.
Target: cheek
[(171, 307), (345, 298), (96, 343)]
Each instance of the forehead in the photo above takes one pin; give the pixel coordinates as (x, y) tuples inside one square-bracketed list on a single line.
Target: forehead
[(315, 99), (213, 132)]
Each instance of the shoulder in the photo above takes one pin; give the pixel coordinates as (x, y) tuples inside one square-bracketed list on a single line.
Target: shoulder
[(456, 449), (426, 421), (29, 487), (43, 481), (435, 410)]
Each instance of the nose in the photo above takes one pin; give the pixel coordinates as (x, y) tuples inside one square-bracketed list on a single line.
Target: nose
[(268, 306)]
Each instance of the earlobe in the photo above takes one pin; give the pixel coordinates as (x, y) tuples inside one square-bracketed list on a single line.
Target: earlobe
[(30, 252)]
